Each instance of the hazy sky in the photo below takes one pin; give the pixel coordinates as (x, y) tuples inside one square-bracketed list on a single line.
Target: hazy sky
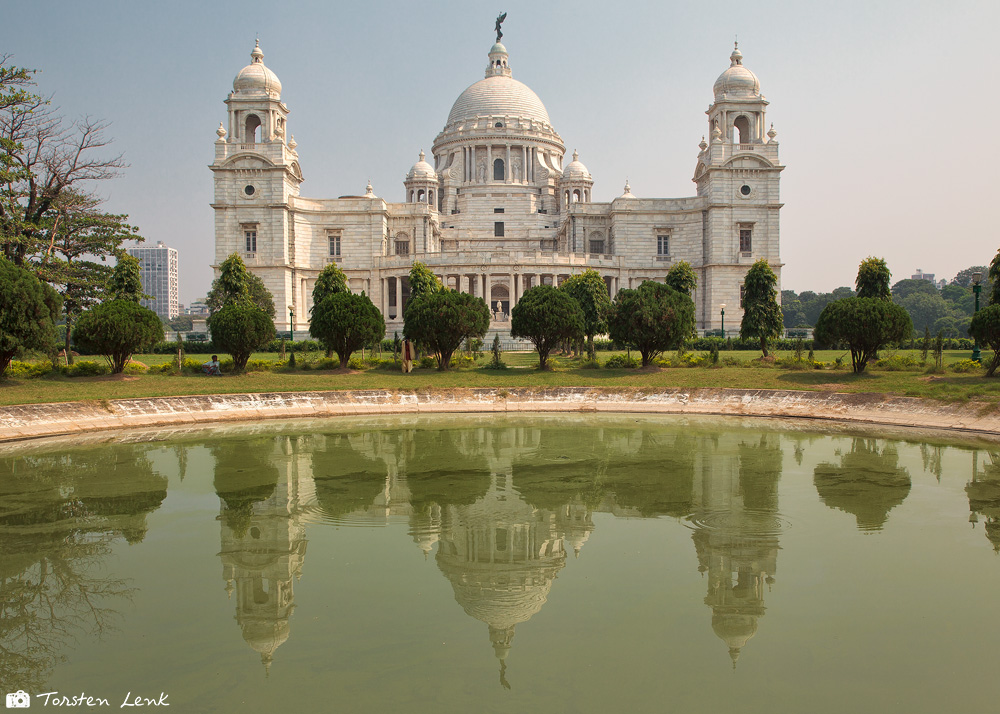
[(883, 109)]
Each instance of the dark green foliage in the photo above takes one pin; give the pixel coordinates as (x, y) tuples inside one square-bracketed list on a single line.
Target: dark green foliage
[(591, 292), (331, 280), (985, 327), (126, 280), (865, 325), (440, 320), (925, 308), (28, 312), (236, 283), (345, 322), (546, 316), (682, 278), (117, 329), (422, 282), (239, 329), (910, 286), (873, 279), (762, 318), (652, 318)]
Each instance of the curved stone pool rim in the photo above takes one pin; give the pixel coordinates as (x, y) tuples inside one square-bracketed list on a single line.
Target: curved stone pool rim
[(32, 421)]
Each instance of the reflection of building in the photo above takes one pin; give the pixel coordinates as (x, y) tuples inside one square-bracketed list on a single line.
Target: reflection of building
[(735, 510), (493, 210), (984, 500), (263, 542)]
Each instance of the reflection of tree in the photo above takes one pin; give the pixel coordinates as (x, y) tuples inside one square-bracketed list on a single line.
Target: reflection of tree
[(244, 475), (984, 499), (760, 469), (868, 483), (59, 515)]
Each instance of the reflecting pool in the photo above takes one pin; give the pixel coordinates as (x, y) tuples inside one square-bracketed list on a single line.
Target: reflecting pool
[(584, 563)]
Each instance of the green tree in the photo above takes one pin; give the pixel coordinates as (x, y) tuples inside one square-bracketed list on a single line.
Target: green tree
[(331, 280), (873, 279), (126, 280), (346, 322), (985, 328), (236, 283), (865, 325), (904, 288), (239, 329), (82, 238), (117, 329), (591, 292), (924, 308), (762, 319), (652, 318), (423, 281), (682, 278), (994, 278), (546, 316), (29, 310), (442, 320)]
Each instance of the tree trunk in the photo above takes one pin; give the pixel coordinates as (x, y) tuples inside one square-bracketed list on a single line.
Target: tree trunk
[(763, 345), (69, 350), (590, 347)]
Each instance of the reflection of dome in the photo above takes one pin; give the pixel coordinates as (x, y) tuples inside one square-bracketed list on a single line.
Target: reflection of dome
[(868, 495), (737, 82), (255, 78), (422, 170), (735, 630), (265, 637)]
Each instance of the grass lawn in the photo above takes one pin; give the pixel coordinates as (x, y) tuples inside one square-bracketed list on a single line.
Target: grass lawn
[(948, 386)]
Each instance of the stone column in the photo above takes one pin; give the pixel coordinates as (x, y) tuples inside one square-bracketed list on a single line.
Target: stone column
[(508, 174), (517, 290), (399, 298), (384, 302), (510, 300), (489, 163), (486, 293), (524, 164)]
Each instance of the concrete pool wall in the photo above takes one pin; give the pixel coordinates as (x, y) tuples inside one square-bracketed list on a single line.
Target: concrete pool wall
[(39, 420)]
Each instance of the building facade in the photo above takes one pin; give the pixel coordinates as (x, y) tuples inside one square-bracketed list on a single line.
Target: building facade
[(159, 278), (493, 211)]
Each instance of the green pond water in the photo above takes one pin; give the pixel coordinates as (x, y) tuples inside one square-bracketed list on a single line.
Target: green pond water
[(556, 563)]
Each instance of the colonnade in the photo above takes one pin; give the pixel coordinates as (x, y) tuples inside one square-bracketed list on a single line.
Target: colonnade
[(522, 170), (482, 284)]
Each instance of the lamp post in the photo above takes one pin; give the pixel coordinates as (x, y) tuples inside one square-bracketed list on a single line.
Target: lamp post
[(722, 309), (977, 287), (291, 323)]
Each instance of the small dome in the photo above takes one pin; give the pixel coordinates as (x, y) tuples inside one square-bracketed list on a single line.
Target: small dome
[(497, 48), (422, 170), (255, 78), (737, 82), (576, 171), (628, 191)]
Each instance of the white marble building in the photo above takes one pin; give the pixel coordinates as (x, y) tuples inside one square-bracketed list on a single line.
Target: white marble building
[(494, 211)]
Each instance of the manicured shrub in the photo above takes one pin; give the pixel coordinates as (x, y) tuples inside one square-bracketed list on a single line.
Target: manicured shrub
[(117, 329), (239, 329), (621, 362)]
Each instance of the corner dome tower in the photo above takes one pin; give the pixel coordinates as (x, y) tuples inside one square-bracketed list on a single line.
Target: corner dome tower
[(737, 82), (256, 79)]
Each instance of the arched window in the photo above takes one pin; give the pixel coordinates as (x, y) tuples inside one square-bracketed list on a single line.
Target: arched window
[(252, 134), (567, 198), (430, 197), (498, 170), (420, 196), (742, 126), (576, 195), (411, 195)]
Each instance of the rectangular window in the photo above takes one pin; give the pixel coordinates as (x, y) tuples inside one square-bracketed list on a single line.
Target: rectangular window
[(498, 229), (251, 240), (596, 246), (746, 239), (402, 247), (743, 292), (334, 244), (663, 244), (498, 210)]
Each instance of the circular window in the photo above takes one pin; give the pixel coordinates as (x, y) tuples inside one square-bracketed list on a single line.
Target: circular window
[(249, 190), (745, 190)]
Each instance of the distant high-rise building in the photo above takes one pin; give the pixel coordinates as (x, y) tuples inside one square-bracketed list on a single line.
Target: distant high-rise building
[(159, 278), (921, 275)]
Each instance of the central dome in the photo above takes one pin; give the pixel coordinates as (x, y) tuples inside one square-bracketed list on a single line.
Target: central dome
[(498, 95)]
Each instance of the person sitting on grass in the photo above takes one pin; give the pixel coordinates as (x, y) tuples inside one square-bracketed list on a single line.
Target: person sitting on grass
[(212, 368)]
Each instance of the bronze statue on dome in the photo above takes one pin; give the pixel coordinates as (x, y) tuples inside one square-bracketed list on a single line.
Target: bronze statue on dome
[(500, 19)]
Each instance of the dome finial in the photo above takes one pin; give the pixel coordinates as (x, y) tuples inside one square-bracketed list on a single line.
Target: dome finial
[(576, 155), (422, 155), (736, 58), (257, 55), (369, 191)]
